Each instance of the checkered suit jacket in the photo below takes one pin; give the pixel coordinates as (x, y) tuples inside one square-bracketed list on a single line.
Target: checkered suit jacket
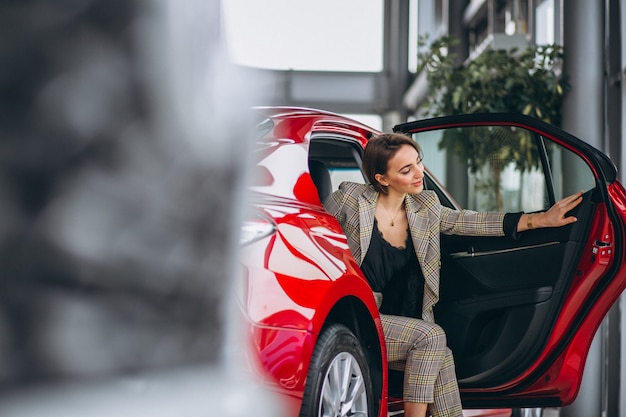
[(354, 205)]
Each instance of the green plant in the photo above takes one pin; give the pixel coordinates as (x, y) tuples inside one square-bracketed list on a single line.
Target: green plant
[(509, 81), (496, 81)]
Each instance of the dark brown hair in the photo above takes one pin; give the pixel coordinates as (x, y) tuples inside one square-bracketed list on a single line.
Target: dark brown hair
[(379, 150)]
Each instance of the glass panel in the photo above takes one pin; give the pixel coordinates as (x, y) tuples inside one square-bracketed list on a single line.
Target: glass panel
[(339, 175), (498, 168), (314, 35), (412, 52), (544, 22), (570, 173)]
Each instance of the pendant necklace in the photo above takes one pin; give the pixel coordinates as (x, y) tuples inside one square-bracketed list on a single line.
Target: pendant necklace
[(394, 217)]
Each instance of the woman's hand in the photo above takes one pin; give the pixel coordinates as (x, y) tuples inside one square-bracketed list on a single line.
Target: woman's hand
[(554, 217)]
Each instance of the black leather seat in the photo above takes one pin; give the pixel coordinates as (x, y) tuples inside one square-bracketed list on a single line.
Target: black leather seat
[(321, 178)]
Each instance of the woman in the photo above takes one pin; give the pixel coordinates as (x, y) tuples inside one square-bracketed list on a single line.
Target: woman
[(393, 229)]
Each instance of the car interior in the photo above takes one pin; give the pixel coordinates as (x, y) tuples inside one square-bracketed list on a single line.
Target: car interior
[(332, 161)]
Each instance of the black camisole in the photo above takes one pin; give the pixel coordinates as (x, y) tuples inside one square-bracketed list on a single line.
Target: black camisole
[(396, 273)]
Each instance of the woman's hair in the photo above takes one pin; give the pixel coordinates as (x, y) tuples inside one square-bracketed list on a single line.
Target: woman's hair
[(379, 150)]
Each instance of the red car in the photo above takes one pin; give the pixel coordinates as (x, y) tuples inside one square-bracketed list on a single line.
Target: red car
[(519, 315)]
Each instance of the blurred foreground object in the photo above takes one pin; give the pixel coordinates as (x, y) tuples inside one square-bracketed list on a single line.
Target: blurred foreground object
[(123, 165)]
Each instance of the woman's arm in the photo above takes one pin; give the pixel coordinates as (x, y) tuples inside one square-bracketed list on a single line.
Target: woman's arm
[(554, 217)]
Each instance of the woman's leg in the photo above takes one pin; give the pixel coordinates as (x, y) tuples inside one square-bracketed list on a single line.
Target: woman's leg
[(429, 371), (447, 399), (415, 409)]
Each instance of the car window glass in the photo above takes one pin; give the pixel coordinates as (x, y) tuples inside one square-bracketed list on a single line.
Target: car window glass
[(339, 175), (500, 168), (570, 172)]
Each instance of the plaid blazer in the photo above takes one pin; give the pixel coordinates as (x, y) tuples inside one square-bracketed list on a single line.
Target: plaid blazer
[(354, 205)]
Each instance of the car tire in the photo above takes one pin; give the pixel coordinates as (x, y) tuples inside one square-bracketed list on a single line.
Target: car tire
[(338, 381)]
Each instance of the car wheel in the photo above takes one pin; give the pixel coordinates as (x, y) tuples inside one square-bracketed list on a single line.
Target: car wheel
[(338, 382)]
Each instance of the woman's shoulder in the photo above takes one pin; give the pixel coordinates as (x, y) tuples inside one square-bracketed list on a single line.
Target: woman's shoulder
[(347, 193), (426, 197), (353, 186), (352, 189)]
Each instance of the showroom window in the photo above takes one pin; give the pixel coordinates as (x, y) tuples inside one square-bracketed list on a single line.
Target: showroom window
[(305, 35), (547, 22)]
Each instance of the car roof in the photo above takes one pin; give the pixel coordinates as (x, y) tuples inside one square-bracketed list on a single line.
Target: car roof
[(320, 121)]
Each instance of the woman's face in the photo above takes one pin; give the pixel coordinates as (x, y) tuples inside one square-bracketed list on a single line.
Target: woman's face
[(405, 172)]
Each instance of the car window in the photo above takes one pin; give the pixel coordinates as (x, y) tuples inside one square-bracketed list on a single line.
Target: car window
[(339, 175), (502, 168), (338, 158)]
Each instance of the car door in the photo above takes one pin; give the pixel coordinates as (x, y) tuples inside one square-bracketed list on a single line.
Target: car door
[(520, 314)]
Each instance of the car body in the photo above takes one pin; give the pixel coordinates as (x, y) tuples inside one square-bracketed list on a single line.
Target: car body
[(519, 314)]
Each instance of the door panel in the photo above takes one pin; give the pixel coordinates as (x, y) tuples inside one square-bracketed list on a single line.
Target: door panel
[(499, 297)]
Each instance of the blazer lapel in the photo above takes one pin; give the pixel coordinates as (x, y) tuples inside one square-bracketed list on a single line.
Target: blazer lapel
[(367, 210), (418, 224), (426, 242)]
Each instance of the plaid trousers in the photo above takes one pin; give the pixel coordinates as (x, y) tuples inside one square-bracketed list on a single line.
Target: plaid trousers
[(419, 348)]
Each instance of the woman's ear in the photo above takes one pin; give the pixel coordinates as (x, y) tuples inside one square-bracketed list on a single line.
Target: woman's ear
[(381, 180)]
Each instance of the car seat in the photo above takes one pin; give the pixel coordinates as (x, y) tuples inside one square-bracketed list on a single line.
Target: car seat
[(321, 178)]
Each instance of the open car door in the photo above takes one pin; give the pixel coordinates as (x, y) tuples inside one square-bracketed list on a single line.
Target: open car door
[(520, 315)]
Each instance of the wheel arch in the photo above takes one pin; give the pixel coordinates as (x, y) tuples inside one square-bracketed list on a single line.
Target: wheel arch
[(352, 313)]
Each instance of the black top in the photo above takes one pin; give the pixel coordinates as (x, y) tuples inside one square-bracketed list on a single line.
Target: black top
[(396, 273)]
